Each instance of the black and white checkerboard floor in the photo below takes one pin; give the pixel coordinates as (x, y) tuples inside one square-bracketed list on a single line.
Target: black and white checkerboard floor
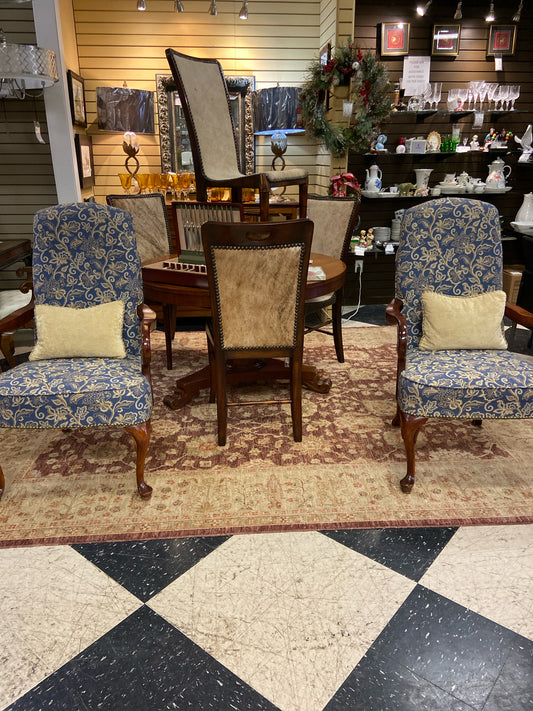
[(377, 620)]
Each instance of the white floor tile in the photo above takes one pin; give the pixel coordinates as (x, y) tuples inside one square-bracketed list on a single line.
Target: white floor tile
[(54, 604), (489, 569), (290, 613)]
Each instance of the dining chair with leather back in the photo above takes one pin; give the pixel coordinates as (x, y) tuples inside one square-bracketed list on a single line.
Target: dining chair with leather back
[(257, 278), (334, 221), (206, 107), (449, 306), (90, 366)]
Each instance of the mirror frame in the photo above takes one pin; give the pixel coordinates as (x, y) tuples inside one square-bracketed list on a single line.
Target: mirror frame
[(238, 86)]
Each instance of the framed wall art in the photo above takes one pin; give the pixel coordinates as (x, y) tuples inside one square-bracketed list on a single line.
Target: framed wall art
[(84, 155), (76, 93), (502, 40), (446, 40), (394, 39)]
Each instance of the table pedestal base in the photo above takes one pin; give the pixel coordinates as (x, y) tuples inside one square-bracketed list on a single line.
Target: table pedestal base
[(188, 387)]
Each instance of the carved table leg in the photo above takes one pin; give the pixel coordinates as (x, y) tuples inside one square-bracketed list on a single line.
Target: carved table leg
[(141, 436), (411, 426)]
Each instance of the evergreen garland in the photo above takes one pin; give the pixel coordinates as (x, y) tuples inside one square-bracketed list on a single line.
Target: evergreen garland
[(370, 93)]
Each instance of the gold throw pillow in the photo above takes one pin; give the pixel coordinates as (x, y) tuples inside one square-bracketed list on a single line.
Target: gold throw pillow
[(462, 322), (66, 332)]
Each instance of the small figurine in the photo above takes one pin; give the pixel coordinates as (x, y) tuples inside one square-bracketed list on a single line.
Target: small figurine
[(380, 143), (474, 143)]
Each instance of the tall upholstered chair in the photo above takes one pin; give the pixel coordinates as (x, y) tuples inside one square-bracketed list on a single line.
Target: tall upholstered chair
[(449, 308), (90, 366), (257, 277), (152, 233), (334, 221), (205, 100)]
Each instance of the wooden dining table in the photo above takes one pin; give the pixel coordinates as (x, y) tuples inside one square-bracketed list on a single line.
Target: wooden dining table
[(189, 291)]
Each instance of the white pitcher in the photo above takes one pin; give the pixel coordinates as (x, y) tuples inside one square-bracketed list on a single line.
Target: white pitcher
[(498, 174), (525, 214), (373, 179)]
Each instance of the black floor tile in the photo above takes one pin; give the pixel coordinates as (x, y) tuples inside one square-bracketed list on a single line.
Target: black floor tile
[(384, 684), (146, 567), (464, 654), (143, 664), (409, 551)]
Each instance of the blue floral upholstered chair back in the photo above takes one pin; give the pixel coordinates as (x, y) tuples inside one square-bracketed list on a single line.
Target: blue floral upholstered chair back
[(449, 305), (451, 246), (85, 255)]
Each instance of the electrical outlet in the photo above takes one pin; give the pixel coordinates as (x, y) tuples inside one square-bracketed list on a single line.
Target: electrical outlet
[(358, 266)]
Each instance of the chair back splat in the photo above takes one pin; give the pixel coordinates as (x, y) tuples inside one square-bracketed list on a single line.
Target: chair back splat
[(206, 106), (257, 278), (334, 221), (453, 361)]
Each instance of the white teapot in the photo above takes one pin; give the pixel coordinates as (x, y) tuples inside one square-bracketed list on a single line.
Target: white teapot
[(373, 179), (497, 174)]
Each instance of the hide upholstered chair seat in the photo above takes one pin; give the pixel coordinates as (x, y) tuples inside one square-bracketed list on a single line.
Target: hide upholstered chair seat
[(206, 106), (449, 308), (90, 366), (334, 220), (257, 278)]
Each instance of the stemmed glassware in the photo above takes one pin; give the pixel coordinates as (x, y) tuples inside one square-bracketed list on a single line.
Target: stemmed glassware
[(514, 93), (492, 89), (436, 94)]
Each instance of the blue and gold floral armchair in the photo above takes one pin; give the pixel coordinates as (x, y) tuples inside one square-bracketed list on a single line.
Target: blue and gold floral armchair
[(90, 366), (453, 360)]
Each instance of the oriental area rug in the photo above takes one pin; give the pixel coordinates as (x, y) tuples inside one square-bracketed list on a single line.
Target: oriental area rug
[(80, 486)]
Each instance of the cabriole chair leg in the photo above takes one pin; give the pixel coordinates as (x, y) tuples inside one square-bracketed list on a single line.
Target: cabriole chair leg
[(411, 426), (141, 437)]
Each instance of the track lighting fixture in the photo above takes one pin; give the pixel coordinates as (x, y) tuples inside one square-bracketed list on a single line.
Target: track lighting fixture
[(141, 4), (458, 13), (490, 17), (178, 6), (422, 9), (243, 14), (213, 8), (516, 16)]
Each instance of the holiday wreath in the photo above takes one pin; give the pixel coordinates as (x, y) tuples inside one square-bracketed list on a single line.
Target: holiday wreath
[(370, 94)]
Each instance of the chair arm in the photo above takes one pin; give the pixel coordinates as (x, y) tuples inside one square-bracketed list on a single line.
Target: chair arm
[(17, 319), (148, 322), (519, 315), (393, 315)]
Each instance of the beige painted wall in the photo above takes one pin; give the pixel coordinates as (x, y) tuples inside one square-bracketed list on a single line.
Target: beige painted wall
[(118, 44)]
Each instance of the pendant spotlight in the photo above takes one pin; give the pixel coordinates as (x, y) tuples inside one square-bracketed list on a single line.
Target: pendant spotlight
[(458, 11), (422, 9), (516, 16), (490, 17), (243, 14)]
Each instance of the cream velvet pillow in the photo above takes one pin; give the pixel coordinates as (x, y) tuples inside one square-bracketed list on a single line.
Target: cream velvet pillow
[(457, 322), (66, 332)]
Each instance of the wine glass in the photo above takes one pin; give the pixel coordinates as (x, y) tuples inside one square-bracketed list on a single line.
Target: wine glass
[(125, 181), (462, 96), (483, 89), (436, 94), (514, 93), (492, 89)]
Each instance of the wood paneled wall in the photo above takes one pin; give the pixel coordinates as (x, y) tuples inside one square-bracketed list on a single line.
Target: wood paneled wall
[(116, 43), (26, 174)]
